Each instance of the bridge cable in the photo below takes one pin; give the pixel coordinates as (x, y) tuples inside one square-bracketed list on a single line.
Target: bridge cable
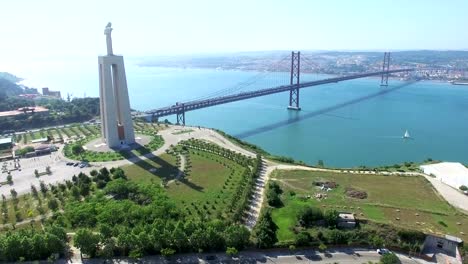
[(241, 85)]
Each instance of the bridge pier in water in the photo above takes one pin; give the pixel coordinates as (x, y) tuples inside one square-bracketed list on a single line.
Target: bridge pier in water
[(293, 88), (294, 81)]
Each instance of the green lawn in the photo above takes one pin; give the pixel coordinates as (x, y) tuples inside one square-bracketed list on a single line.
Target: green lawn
[(409, 202), (206, 190), (152, 170)]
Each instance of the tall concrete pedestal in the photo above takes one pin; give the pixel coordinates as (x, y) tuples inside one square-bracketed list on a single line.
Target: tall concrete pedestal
[(116, 120)]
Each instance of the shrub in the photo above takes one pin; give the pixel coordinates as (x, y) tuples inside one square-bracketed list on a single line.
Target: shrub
[(231, 251), (322, 247), (166, 252), (389, 259), (302, 239), (308, 215)]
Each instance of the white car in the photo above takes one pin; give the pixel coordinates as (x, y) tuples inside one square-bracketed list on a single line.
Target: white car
[(383, 251)]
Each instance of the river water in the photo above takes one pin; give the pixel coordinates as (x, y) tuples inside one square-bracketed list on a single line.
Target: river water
[(345, 124)]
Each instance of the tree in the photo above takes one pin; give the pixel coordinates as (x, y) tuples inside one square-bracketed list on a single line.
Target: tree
[(237, 236), (36, 173), (302, 239), (53, 204), (322, 247), (463, 188), (43, 187), (273, 198), (86, 241), (331, 218), (77, 149), (9, 179), (389, 258), (75, 191), (265, 231), (308, 215), (118, 174)]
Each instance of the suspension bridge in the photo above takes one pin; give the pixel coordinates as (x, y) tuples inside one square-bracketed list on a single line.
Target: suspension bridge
[(293, 86)]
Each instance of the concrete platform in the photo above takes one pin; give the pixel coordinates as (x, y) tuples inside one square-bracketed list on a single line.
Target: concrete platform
[(99, 146)]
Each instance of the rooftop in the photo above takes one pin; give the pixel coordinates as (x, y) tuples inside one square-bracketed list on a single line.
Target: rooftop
[(6, 140), (451, 173), (19, 111)]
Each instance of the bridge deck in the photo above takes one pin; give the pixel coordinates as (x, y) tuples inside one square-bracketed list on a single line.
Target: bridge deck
[(194, 105)]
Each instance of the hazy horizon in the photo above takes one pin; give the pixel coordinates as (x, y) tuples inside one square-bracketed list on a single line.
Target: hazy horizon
[(53, 36)]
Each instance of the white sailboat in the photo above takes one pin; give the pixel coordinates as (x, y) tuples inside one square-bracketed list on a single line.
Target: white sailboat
[(406, 135)]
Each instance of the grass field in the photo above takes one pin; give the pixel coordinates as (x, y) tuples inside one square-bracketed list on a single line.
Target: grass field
[(204, 192), (408, 202), (153, 170)]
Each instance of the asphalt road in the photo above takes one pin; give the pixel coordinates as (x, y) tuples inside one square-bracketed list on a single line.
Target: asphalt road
[(277, 256)]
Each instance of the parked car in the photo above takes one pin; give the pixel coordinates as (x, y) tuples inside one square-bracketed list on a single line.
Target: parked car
[(383, 251), (465, 192), (210, 257), (76, 164)]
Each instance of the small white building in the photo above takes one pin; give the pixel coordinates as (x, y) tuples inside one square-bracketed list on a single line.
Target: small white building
[(450, 173)]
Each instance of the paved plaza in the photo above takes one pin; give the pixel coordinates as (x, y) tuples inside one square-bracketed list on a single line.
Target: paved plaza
[(24, 176)]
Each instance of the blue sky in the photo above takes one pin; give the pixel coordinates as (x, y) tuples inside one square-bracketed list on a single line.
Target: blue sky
[(34, 33)]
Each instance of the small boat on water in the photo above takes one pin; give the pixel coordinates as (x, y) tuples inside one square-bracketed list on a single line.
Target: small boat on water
[(406, 135)]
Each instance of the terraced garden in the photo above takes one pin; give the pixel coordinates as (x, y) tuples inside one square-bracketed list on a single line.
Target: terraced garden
[(215, 183), (405, 201)]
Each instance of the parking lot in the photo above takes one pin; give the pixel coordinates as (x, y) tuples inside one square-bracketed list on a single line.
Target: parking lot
[(24, 176)]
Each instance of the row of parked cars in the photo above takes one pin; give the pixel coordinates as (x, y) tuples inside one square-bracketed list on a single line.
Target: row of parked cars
[(78, 164)]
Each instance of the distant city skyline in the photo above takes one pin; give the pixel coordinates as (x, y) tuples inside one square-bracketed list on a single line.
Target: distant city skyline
[(37, 35)]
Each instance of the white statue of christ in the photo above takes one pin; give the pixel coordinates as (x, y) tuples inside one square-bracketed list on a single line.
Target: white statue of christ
[(107, 32)]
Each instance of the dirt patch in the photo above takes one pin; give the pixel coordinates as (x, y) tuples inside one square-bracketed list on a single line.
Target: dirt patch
[(326, 184), (354, 193)]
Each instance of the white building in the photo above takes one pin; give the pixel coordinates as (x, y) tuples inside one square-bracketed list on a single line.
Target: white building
[(450, 173)]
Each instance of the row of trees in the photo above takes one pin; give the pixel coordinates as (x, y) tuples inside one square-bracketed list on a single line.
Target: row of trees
[(240, 198), (161, 237), (309, 216), (30, 244), (140, 219)]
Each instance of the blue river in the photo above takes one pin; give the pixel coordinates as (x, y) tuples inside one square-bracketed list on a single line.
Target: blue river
[(344, 124)]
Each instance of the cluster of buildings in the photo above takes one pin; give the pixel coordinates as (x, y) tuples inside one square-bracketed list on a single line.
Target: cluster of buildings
[(46, 92), (50, 93)]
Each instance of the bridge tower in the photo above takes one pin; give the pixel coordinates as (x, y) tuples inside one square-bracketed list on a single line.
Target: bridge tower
[(181, 116), (385, 69), (294, 82)]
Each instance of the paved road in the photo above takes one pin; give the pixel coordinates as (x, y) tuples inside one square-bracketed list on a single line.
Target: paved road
[(271, 256), (453, 196)]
